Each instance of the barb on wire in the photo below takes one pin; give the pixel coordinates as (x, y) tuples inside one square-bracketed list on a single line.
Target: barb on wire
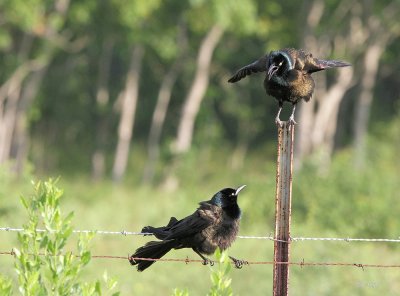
[(187, 260), (269, 237)]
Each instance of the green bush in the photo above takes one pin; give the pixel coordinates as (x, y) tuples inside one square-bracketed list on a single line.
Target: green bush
[(221, 282), (41, 263)]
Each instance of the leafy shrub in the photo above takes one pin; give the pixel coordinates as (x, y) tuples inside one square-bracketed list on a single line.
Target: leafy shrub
[(41, 263)]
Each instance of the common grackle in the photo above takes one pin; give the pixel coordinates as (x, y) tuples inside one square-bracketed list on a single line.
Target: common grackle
[(288, 76), (214, 224)]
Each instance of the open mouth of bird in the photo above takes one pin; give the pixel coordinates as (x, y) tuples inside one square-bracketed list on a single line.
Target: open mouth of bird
[(272, 70)]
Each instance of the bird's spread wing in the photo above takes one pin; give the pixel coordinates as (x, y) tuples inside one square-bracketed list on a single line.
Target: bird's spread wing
[(258, 66), (314, 64), (188, 226)]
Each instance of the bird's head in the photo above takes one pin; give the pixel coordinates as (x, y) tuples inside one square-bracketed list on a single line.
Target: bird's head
[(278, 63), (226, 197)]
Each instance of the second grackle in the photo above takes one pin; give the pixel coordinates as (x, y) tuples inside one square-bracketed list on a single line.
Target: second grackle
[(213, 225), (288, 76)]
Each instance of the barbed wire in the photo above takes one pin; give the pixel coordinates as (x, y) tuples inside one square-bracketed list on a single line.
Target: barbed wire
[(245, 262), (270, 237)]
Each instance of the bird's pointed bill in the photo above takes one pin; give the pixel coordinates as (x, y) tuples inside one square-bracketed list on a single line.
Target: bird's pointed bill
[(271, 71), (239, 189)]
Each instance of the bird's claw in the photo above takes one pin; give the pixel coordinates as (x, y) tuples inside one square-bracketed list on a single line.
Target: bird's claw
[(278, 122), (131, 260), (208, 261), (146, 231), (239, 263), (291, 120)]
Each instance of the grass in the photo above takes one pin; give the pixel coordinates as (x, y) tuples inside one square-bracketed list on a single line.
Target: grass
[(364, 205)]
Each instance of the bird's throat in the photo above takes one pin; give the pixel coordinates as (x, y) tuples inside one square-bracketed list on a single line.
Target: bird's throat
[(232, 211)]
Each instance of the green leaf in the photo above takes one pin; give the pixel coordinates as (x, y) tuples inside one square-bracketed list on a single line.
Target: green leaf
[(85, 257), (98, 287), (49, 267)]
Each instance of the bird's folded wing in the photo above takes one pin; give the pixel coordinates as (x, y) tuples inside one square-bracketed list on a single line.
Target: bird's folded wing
[(188, 226), (258, 66)]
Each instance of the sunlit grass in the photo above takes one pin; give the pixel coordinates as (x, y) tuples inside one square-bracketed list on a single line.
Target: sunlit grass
[(344, 203)]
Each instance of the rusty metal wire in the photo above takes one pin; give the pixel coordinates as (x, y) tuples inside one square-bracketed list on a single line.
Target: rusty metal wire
[(270, 237), (188, 260)]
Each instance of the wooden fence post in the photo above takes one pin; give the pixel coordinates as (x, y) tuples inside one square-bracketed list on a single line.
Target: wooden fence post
[(283, 201)]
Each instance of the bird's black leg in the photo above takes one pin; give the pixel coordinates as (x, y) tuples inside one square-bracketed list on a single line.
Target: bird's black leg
[(205, 259), (238, 263), (278, 122), (291, 118)]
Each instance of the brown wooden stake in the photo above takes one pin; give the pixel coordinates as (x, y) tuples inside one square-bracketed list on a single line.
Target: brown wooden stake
[(283, 202)]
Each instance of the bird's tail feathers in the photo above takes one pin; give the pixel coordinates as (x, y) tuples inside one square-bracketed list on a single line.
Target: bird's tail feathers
[(151, 250)]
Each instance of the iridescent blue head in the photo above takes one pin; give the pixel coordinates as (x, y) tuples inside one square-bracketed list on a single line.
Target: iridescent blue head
[(279, 62), (226, 197)]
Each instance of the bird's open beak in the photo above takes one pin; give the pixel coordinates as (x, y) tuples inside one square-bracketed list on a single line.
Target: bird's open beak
[(239, 189), (271, 71)]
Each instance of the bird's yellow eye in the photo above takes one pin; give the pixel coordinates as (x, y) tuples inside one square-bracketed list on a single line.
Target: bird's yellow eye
[(280, 64)]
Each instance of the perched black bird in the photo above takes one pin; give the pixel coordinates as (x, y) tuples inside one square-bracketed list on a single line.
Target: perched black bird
[(214, 224), (288, 75)]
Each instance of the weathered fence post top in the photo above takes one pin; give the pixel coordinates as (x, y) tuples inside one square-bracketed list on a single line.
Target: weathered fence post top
[(283, 201)]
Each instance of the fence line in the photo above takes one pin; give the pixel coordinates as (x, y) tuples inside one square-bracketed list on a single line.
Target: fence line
[(270, 237), (188, 260)]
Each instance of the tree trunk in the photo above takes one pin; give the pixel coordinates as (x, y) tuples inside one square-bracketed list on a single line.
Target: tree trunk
[(102, 100), (10, 94), (379, 34), (160, 111), (303, 145), (364, 101), (18, 92), (20, 143), (197, 90), (326, 116), (129, 100), (8, 119), (318, 118), (163, 99)]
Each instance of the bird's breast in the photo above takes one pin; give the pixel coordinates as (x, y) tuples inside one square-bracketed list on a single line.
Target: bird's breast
[(221, 235), (296, 85)]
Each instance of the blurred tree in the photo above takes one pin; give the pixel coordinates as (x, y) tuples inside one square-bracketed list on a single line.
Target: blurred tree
[(319, 116), (133, 16), (197, 89), (353, 30), (167, 50), (129, 97), (68, 65), (36, 34), (102, 102), (378, 30), (215, 17)]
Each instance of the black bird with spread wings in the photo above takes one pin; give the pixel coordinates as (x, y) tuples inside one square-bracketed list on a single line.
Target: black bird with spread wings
[(213, 225), (288, 76)]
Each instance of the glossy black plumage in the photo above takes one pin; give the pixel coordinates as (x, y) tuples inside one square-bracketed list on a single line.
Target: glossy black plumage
[(288, 76), (214, 224)]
